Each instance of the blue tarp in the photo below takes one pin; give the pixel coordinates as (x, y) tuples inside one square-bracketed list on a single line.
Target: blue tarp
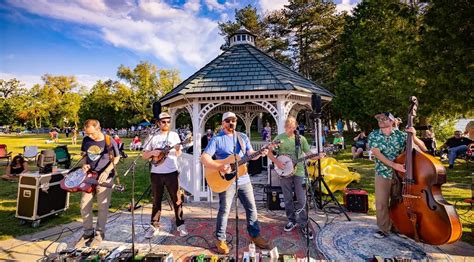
[(145, 124)]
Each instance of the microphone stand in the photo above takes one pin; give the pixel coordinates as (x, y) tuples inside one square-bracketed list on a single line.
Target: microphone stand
[(236, 196), (132, 204), (320, 178)]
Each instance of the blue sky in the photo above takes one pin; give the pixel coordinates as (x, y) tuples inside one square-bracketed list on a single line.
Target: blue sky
[(91, 38)]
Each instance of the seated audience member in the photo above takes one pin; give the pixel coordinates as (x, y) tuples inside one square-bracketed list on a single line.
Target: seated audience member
[(16, 167), (429, 141), (456, 145), (136, 143), (338, 141), (360, 144), (120, 146)]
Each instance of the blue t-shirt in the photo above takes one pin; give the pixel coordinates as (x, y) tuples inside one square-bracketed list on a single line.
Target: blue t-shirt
[(222, 146)]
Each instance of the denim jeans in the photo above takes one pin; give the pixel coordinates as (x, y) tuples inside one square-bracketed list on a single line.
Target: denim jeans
[(246, 197), (288, 185), (456, 151)]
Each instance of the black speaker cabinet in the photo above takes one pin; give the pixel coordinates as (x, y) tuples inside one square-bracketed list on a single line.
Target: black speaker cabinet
[(40, 196), (356, 200), (275, 198)]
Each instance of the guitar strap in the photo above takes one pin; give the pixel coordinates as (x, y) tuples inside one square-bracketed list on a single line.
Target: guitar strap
[(241, 142), (110, 150)]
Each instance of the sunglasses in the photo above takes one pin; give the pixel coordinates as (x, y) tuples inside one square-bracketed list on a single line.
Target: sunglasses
[(165, 122), (382, 119), (230, 121)]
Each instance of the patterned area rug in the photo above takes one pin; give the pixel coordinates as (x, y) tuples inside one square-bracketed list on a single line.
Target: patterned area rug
[(353, 240), (200, 239)]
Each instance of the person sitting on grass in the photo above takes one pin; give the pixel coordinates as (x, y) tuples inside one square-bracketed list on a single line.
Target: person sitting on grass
[(338, 141), (15, 168), (136, 143), (360, 144)]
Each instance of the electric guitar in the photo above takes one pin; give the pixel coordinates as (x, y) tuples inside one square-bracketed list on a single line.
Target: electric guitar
[(159, 159), (219, 182)]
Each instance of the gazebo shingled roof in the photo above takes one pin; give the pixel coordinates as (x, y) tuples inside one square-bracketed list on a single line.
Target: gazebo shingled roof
[(244, 67)]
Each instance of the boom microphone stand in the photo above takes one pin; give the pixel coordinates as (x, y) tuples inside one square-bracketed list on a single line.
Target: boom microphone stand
[(299, 152), (320, 178), (236, 192), (132, 204)]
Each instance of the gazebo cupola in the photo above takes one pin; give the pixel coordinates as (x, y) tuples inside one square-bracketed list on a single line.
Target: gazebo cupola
[(242, 36)]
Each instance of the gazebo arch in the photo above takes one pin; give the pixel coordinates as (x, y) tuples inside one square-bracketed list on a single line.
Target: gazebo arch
[(246, 81)]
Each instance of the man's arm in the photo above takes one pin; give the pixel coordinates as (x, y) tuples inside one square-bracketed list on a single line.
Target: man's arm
[(386, 161), (208, 162)]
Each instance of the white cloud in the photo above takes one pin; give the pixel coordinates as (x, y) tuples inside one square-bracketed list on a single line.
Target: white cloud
[(214, 5), (173, 35), (192, 5), (272, 5), (346, 5), (30, 80)]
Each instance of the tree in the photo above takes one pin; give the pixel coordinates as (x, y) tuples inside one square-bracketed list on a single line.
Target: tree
[(147, 84), (377, 61), (447, 57), (11, 93)]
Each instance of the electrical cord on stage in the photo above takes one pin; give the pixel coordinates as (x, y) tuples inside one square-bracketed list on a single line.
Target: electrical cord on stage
[(60, 234)]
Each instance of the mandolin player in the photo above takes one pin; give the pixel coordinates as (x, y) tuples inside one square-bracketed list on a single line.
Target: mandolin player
[(163, 149)]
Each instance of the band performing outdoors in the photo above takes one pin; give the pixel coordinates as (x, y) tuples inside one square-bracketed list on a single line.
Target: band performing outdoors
[(245, 160)]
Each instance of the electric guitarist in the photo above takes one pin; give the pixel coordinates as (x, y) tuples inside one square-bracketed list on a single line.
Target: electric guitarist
[(164, 175), (222, 146)]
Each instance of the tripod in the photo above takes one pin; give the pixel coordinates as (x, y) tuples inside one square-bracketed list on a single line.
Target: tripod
[(319, 181)]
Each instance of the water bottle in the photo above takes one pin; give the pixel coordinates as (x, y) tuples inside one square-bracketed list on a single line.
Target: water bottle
[(251, 249), (370, 154)]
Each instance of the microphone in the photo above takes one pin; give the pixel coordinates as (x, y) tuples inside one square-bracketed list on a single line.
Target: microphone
[(316, 103), (156, 109)]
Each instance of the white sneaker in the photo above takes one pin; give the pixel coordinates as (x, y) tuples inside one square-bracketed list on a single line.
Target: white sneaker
[(152, 232), (290, 226), (182, 230)]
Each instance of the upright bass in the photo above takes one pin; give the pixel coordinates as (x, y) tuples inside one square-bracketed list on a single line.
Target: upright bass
[(422, 213)]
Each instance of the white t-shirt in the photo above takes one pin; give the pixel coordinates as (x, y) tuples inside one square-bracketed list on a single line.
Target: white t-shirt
[(159, 141)]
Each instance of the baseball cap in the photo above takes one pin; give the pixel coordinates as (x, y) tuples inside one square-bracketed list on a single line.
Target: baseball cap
[(228, 115), (164, 115), (385, 114)]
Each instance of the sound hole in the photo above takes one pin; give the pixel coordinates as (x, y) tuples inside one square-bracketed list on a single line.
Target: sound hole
[(429, 199)]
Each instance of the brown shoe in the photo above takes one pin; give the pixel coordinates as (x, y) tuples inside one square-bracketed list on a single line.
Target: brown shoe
[(222, 247), (260, 242)]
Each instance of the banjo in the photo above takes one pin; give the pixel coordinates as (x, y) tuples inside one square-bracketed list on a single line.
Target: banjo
[(290, 164)]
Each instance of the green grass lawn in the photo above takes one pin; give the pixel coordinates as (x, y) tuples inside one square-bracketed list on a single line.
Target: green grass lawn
[(455, 190)]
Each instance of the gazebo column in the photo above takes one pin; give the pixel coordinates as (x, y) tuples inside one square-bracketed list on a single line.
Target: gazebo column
[(172, 112), (196, 107), (281, 115)]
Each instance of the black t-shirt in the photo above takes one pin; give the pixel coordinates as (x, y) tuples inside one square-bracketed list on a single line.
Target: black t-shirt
[(361, 143), (454, 142), (97, 154)]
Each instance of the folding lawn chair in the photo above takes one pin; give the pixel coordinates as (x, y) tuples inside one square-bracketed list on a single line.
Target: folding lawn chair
[(5, 155), (62, 156), (30, 153)]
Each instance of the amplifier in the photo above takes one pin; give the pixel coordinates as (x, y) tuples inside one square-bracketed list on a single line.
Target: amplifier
[(40, 196), (275, 198), (356, 200)]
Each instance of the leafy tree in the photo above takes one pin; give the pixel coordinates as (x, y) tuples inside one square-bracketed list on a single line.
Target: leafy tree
[(447, 58), (147, 84), (377, 62)]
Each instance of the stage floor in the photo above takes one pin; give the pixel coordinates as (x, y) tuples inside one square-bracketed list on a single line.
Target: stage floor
[(335, 237)]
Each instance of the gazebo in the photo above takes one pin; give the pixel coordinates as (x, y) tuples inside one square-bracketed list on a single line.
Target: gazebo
[(244, 80)]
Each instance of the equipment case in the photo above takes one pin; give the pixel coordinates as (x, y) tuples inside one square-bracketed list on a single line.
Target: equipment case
[(40, 196)]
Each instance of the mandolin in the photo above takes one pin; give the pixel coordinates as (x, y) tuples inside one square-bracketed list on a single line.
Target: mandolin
[(159, 159), (219, 182)]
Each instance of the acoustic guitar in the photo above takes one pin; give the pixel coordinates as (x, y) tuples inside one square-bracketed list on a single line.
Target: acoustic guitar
[(159, 159), (219, 182)]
